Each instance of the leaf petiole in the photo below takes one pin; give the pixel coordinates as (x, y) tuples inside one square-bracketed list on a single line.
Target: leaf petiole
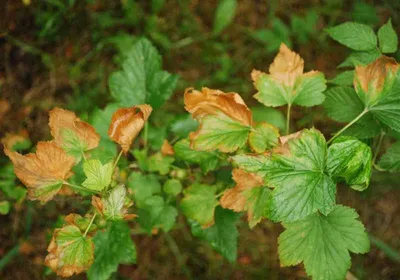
[(348, 125), (378, 147), (90, 224), (288, 118), (79, 187)]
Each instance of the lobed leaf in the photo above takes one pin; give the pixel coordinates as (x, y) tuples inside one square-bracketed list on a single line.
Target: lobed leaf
[(98, 175)]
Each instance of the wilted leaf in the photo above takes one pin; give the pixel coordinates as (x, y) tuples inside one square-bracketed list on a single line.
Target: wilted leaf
[(126, 123), (248, 195), (199, 203), (287, 84), (69, 251), (167, 149), (225, 120), (43, 172), (72, 134)]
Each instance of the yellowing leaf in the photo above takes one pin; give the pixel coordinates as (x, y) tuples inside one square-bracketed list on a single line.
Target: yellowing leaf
[(43, 172), (225, 120), (69, 251), (72, 134), (287, 84), (369, 80), (126, 123), (248, 195)]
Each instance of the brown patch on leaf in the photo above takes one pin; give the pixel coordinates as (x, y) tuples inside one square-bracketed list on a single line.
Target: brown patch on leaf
[(98, 204), (49, 166), (62, 120), (286, 67), (233, 198), (126, 123), (283, 140), (167, 149), (374, 74), (213, 102)]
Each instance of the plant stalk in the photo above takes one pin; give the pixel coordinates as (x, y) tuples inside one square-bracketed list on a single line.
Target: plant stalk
[(289, 108), (348, 125)]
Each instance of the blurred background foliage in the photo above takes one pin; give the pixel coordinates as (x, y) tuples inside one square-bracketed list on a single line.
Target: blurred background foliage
[(61, 53)]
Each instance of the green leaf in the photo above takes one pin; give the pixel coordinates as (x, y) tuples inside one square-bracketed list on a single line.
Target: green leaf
[(207, 160), (391, 159), (364, 13), (297, 175), (73, 251), (98, 175), (269, 115), (387, 36), (159, 163), (356, 36), (342, 104), (114, 203), (113, 246), (5, 207), (143, 186), (306, 91), (343, 79), (199, 203), (273, 37), (142, 79), (221, 132), (323, 243), (155, 213), (172, 187), (101, 119), (350, 159), (141, 159), (156, 136), (263, 137), (182, 125), (304, 27), (357, 58), (223, 235), (224, 15)]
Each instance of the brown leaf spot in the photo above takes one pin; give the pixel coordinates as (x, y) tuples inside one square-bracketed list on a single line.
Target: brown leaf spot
[(167, 149)]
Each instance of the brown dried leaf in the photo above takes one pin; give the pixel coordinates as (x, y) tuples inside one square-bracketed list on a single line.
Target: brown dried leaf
[(126, 123), (43, 171), (167, 149), (62, 120), (98, 204), (372, 76), (233, 198), (213, 102), (10, 139)]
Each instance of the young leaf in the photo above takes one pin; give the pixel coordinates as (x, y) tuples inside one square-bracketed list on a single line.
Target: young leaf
[(207, 160), (199, 203), (225, 120), (172, 187), (387, 36), (155, 213), (44, 172), (263, 137), (248, 195), (356, 36), (98, 175), (224, 15), (391, 159), (142, 79), (126, 124), (143, 186), (287, 84), (223, 235), (5, 207), (350, 159), (69, 251), (72, 134), (159, 163), (113, 246), (323, 243)]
